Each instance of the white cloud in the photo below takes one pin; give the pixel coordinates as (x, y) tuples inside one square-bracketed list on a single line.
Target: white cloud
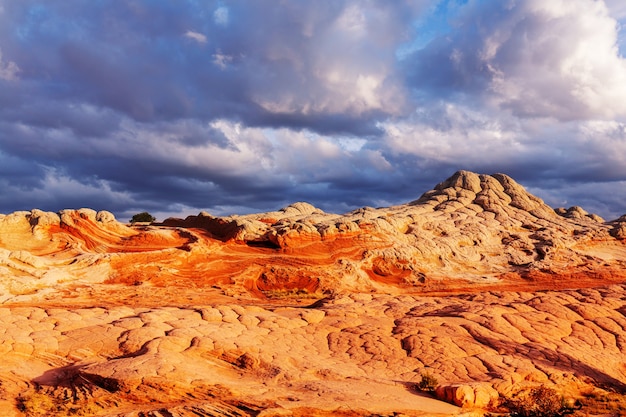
[(60, 190), (352, 21), (557, 59), (321, 59), (196, 36), (8, 70), (335, 85), (222, 60), (611, 129), (455, 135), (60, 185), (261, 155), (221, 16), (602, 144)]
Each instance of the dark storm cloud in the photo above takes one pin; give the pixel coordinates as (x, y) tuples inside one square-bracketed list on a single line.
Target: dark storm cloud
[(23, 174), (161, 60), (244, 106)]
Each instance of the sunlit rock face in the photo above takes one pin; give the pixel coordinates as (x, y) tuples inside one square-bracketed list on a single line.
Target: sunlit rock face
[(299, 312)]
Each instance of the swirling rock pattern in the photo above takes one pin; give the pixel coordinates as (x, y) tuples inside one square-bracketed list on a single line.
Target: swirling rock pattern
[(299, 312)]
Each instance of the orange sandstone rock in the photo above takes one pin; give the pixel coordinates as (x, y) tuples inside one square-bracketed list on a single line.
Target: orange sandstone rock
[(302, 312)]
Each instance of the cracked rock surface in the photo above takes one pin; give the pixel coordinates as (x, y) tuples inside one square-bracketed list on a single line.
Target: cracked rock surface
[(299, 312)]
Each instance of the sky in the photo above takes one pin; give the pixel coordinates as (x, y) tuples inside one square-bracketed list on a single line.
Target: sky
[(176, 107)]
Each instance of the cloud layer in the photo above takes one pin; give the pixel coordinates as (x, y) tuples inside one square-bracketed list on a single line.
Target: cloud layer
[(242, 106)]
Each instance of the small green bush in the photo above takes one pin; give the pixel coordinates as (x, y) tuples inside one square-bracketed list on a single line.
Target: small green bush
[(428, 382), (538, 402), (143, 217), (36, 404)]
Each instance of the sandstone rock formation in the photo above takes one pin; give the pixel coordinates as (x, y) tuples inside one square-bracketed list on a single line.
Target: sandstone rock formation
[(299, 312)]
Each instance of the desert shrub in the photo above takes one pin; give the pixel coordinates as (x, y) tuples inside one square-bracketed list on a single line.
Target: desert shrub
[(291, 293), (538, 402), (143, 217), (428, 382), (36, 404)]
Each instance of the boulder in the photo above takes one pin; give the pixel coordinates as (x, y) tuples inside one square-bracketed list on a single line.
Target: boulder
[(471, 395)]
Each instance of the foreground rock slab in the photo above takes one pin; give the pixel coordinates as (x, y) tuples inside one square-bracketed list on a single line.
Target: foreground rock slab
[(359, 352)]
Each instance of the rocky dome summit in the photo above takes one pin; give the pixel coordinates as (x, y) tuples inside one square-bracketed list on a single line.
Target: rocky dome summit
[(490, 192)]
